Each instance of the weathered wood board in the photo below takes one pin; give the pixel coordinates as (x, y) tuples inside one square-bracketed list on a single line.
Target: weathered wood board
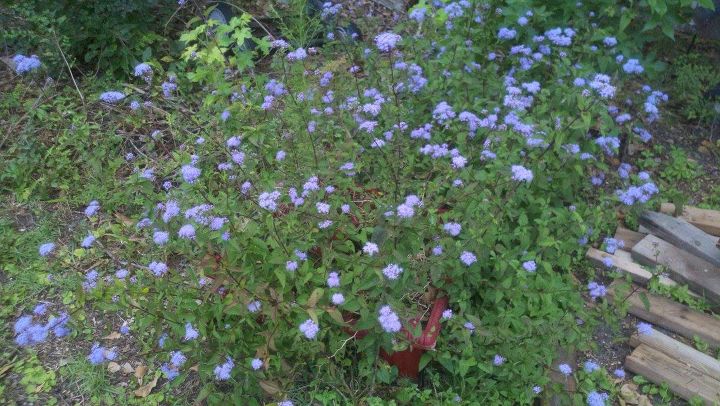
[(704, 219), (623, 262), (673, 316), (682, 234), (395, 5), (701, 276), (680, 351), (629, 237), (681, 377), (566, 356)]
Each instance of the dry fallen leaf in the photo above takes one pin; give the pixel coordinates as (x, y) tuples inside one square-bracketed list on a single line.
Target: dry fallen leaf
[(113, 367), (270, 387), (195, 367), (145, 390), (629, 395), (140, 371), (127, 368), (112, 336), (124, 219)]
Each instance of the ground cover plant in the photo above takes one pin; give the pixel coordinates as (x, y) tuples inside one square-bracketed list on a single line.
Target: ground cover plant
[(269, 229)]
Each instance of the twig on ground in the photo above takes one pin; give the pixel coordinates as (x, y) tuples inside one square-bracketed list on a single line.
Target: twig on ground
[(57, 44)]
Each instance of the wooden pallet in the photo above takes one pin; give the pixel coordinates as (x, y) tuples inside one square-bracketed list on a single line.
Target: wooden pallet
[(686, 247)]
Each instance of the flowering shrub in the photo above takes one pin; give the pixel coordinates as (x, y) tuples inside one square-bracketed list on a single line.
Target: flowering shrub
[(322, 206)]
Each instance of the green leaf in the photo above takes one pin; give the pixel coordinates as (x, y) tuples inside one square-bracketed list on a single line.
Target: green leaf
[(658, 6), (644, 299), (707, 4), (425, 359), (625, 20)]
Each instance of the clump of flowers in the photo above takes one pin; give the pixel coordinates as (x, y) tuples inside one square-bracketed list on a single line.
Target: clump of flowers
[(425, 164), (112, 97), (25, 64)]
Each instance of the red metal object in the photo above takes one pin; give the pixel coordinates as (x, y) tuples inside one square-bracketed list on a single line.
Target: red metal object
[(408, 361)]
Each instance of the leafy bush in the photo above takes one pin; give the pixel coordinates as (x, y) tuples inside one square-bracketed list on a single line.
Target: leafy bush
[(693, 81), (106, 36), (470, 155)]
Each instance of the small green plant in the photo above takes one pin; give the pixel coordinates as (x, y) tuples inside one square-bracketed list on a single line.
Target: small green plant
[(680, 167), (92, 383), (299, 21), (694, 77), (35, 377), (662, 391)]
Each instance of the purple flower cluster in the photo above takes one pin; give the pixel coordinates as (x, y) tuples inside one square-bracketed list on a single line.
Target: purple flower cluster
[(597, 398), (521, 174), (28, 332), (144, 71), (268, 200), (452, 228), (644, 328), (92, 208), (25, 64), (637, 194), (112, 97), (370, 248), (309, 328), (99, 354), (389, 320), (158, 268), (222, 371), (387, 41), (172, 369), (596, 290), (46, 249), (612, 244), (392, 271)]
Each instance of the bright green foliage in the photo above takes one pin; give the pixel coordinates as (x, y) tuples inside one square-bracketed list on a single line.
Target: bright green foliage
[(524, 315)]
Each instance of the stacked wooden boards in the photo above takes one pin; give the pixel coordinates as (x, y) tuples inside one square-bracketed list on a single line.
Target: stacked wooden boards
[(687, 254), (662, 359)]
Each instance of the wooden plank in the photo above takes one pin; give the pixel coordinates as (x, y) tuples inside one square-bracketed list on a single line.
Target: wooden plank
[(565, 356), (700, 275), (673, 316), (623, 262), (704, 219), (680, 351), (396, 5), (680, 377), (682, 234), (629, 237)]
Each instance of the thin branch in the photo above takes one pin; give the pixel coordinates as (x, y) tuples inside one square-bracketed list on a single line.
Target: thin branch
[(57, 44)]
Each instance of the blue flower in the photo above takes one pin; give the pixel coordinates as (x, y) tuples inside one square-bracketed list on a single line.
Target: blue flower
[(222, 372), (590, 367), (46, 249), (190, 332), (386, 41), (565, 369), (256, 363), (392, 271), (190, 173), (25, 64), (309, 328), (161, 237), (112, 97), (529, 266), (143, 70), (644, 328), (468, 258), (389, 320), (597, 398), (88, 241)]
